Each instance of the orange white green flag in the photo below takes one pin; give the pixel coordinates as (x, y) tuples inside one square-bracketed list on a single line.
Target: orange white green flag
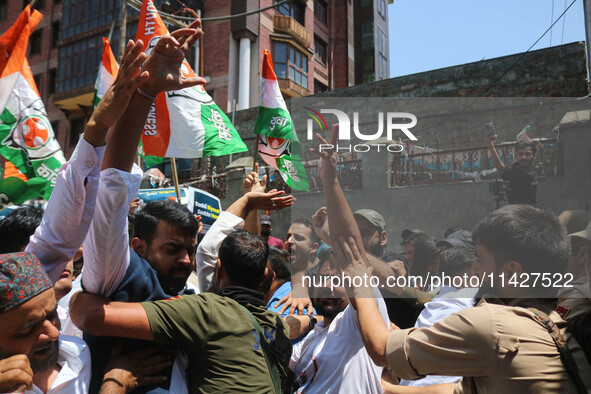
[(107, 73), (185, 123), (27, 143), (279, 145)]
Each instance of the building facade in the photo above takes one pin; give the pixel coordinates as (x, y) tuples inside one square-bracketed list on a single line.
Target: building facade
[(316, 45)]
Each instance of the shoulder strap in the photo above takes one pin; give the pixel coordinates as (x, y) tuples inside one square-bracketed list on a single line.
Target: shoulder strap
[(267, 352), (565, 355)]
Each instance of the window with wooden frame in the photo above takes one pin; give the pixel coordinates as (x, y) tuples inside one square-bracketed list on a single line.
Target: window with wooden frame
[(320, 50), (298, 67), (295, 9), (290, 63), (3, 9), (320, 8), (35, 42)]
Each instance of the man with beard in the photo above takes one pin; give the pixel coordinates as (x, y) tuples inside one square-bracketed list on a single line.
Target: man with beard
[(523, 183), (266, 228), (301, 242), (332, 357), (33, 354)]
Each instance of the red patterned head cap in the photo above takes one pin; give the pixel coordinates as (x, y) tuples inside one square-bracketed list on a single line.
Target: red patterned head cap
[(22, 277)]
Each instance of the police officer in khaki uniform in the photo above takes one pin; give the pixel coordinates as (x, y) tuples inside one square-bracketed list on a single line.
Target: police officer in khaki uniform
[(501, 346)]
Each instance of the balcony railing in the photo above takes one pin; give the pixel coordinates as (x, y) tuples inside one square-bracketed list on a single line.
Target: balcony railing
[(210, 181), (291, 88), (348, 172), (429, 166), (288, 25)]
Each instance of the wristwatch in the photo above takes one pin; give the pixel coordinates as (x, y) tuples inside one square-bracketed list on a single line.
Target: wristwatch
[(313, 322)]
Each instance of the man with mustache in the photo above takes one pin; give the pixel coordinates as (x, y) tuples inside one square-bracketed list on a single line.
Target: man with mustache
[(33, 354)]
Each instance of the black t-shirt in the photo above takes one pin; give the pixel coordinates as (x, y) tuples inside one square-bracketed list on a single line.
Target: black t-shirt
[(522, 188), (400, 312)]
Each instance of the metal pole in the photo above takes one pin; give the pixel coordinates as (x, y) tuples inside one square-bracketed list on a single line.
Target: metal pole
[(122, 28), (197, 53), (255, 151), (175, 179), (587, 13), (233, 114)]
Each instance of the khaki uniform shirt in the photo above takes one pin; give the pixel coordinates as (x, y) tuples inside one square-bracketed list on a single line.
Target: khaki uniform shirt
[(574, 301), (496, 348)]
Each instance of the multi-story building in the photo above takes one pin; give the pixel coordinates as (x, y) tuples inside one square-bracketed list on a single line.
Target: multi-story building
[(317, 45)]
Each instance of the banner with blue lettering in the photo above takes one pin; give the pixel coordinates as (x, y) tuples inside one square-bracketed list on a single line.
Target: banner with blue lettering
[(7, 210), (205, 204), (147, 195)]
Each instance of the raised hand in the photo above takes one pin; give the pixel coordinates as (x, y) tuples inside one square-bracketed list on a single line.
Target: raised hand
[(320, 223), (116, 99), (490, 139), (273, 200), (165, 62), (327, 165), (251, 182)]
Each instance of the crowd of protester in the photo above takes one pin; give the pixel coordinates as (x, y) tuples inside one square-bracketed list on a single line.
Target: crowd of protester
[(98, 295)]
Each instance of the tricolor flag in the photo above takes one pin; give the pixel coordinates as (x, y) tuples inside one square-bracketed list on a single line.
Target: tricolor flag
[(279, 145), (107, 73), (33, 156), (184, 123)]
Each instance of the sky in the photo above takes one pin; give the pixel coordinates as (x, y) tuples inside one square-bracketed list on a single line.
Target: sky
[(431, 34)]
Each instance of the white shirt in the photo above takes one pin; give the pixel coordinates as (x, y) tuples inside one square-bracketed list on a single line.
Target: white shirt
[(69, 210), (207, 251), (439, 308), (74, 375), (63, 311), (106, 247), (334, 359)]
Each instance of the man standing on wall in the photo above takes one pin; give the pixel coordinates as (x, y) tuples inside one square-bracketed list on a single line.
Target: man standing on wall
[(523, 182)]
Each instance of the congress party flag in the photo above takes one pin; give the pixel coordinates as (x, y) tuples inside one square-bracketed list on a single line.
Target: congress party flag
[(185, 123), (27, 143), (279, 145), (107, 73)]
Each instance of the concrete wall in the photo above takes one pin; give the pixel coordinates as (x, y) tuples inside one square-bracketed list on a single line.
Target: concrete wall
[(552, 72), (435, 208)]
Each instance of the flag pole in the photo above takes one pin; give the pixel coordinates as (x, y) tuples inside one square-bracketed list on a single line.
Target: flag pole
[(256, 150), (175, 179)]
